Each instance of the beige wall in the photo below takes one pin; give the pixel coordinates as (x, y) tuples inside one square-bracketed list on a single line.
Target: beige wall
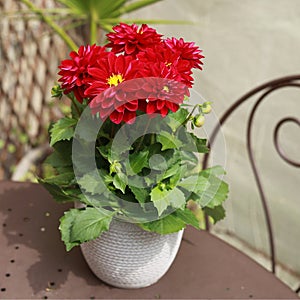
[(246, 43)]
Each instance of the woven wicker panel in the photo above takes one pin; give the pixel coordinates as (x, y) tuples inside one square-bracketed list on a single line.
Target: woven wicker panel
[(29, 55)]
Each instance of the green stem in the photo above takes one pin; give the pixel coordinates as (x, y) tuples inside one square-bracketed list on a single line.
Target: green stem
[(187, 118), (190, 114), (93, 26), (152, 138), (75, 105), (112, 131), (142, 138), (48, 20)]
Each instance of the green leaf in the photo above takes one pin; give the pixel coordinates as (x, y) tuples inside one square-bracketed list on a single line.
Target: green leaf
[(119, 145), (137, 161), (108, 22), (142, 195), (216, 170), (92, 183), (64, 179), (61, 158), (105, 151), (188, 217), (87, 131), (58, 193), (177, 118), (78, 226), (135, 6), (168, 141), (217, 213), (166, 225), (74, 109), (176, 171), (65, 227), (163, 198), (217, 193), (57, 161), (195, 144), (120, 182), (177, 198), (214, 194), (107, 8), (160, 199), (62, 130), (158, 162), (172, 223), (189, 158), (90, 223), (194, 183)]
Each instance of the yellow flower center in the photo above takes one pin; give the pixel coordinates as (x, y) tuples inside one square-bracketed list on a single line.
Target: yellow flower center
[(140, 31), (166, 89), (168, 64), (114, 80)]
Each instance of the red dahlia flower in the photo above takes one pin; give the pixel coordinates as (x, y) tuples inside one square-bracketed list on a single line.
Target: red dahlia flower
[(131, 39), (74, 71), (110, 99), (161, 70), (161, 95), (115, 103), (188, 51), (169, 62), (110, 71)]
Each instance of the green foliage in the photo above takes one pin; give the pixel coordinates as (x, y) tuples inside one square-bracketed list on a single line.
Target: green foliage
[(96, 14), (58, 193), (163, 198), (90, 183), (158, 172), (61, 158), (158, 169), (172, 223), (137, 162), (217, 213), (216, 193), (78, 226), (168, 141), (142, 195), (120, 182), (62, 130), (200, 144)]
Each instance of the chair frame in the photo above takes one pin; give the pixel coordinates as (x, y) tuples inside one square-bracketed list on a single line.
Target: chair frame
[(266, 89)]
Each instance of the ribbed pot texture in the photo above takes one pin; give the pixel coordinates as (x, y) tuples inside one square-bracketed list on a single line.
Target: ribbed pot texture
[(128, 257)]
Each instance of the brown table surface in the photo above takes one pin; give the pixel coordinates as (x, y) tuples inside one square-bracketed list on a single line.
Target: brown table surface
[(34, 263)]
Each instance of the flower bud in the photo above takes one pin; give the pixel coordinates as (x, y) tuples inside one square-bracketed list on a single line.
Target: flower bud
[(199, 120), (206, 107), (57, 91), (115, 167), (162, 186)]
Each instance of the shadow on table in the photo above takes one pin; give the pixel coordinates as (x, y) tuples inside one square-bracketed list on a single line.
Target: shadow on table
[(31, 220)]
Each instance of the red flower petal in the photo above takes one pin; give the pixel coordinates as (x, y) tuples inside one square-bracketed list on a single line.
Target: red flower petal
[(116, 117)]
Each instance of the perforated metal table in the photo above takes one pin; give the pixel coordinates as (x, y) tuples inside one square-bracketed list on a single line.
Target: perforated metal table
[(34, 263)]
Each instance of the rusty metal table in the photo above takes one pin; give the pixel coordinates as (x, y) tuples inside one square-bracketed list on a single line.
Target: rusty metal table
[(34, 263)]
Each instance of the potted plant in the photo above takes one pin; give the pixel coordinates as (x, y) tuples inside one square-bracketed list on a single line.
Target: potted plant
[(127, 156)]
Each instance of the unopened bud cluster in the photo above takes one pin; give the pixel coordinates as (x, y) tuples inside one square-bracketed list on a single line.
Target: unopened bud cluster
[(199, 119), (57, 91)]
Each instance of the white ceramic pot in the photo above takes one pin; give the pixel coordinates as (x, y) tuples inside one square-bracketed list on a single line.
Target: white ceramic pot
[(128, 257)]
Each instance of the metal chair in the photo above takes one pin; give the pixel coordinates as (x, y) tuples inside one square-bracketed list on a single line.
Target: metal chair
[(262, 92)]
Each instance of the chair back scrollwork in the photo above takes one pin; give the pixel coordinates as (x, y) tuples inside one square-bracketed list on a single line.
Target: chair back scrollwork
[(262, 92)]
